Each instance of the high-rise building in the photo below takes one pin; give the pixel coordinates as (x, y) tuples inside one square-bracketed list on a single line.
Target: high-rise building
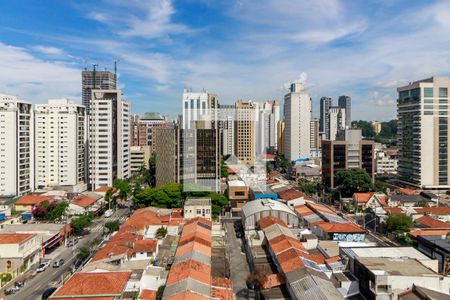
[(423, 123), (325, 104), (350, 151), (315, 141), (139, 158), (168, 162), (226, 125), (16, 146), (336, 122), (143, 127), (297, 117), (280, 134), (109, 138), (345, 102), (376, 126), (199, 107), (91, 80), (60, 139), (267, 117), (245, 131)]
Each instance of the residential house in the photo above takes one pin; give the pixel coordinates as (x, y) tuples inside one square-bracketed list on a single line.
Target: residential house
[(18, 252), (349, 232), (238, 193), (197, 208), (82, 205), (370, 200), (28, 202)]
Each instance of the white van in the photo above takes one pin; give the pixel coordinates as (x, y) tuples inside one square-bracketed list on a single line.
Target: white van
[(109, 213)]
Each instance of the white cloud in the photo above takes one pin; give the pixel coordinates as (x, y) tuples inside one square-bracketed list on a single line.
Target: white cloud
[(381, 100), (47, 50), (34, 79)]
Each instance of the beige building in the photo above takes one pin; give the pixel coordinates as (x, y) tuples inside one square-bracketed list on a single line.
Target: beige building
[(197, 208), (167, 156), (18, 252), (315, 141), (423, 123), (245, 132), (139, 157), (376, 126), (238, 193), (280, 137)]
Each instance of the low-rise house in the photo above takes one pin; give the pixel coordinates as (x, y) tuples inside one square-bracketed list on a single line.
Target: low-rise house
[(94, 285), (339, 231), (430, 222), (439, 212), (82, 205), (293, 197), (436, 247), (18, 252), (370, 200), (28, 202), (197, 208), (410, 201), (422, 293), (238, 193)]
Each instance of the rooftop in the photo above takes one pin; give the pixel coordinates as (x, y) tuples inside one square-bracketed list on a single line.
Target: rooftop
[(84, 201), (33, 199), (362, 197), (91, 284), (14, 238), (429, 222), (383, 266), (236, 183), (340, 227), (385, 252), (197, 202)]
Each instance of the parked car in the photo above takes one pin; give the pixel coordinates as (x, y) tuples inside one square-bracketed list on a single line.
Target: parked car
[(42, 267), (58, 263), (109, 213), (48, 292)]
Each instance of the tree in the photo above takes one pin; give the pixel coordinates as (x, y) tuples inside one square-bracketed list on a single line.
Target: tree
[(112, 225), (109, 198), (218, 202), (80, 223), (423, 203), (160, 292), (282, 164), (223, 169), (150, 175), (350, 181), (380, 186), (307, 186), (83, 253), (366, 128), (167, 196), (398, 222), (59, 211), (161, 232), (123, 187)]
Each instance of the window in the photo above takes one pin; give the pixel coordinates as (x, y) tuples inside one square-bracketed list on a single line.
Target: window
[(428, 92), (443, 92)]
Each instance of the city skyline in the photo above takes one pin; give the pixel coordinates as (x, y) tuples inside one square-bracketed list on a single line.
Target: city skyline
[(356, 49)]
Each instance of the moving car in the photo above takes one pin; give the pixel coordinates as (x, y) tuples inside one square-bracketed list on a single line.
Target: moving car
[(42, 267), (58, 263), (109, 213)]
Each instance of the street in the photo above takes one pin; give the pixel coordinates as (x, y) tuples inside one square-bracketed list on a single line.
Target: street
[(52, 277), (239, 270)]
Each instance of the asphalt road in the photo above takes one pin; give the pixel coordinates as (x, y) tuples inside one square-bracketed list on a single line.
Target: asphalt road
[(52, 277), (239, 269)]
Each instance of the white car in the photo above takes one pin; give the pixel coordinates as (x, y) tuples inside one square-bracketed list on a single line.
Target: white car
[(42, 267), (109, 213)]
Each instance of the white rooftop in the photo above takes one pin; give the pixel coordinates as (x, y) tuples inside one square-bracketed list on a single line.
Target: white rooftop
[(236, 183)]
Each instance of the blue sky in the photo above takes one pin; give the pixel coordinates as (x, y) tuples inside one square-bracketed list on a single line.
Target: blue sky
[(238, 49)]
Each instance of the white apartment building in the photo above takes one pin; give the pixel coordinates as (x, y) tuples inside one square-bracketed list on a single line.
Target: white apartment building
[(226, 122), (199, 107), (267, 117), (297, 116), (60, 139), (109, 138), (423, 123), (336, 122), (16, 146)]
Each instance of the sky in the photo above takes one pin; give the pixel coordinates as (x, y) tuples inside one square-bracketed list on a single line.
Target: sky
[(240, 49)]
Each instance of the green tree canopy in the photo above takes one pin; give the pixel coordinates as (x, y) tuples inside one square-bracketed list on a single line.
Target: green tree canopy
[(307, 187), (161, 232), (59, 211), (218, 202), (113, 225), (350, 181), (398, 222), (123, 187), (167, 196), (80, 223)]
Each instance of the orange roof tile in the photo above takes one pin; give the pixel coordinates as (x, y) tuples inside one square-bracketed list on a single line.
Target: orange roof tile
[(332, 259), (282, 243), (273, 280), (303, 210), (33, 199), (408, 191), (329, 227), (188, 296), (103, 189), (435, 232), (145, 245), (269, 221), (14, 238), (320, 207), (147, 295), (291, 194), (430, 222), (83, 201), (393, 210), (194, 246), (289, 260), (222, 289), (189, 269), (362, 197), (91, 284), (438, 210)]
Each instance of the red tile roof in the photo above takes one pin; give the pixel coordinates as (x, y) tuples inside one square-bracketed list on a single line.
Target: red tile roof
[(145, 245), (330, 227), (393, 210), (104, 189), (433, 232), (83, 201), (147, 295), (222, 289), (190, 269), (320, 208), (91, 284), (14, 238), (303, 211), (438, 210), (430, 222), (33, 199), (362, 197), (273, 280), (408, 191), (269, 221), (292, 194), (188, 296)]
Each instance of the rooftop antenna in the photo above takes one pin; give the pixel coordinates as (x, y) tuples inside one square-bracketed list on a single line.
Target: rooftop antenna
[(94, 73)]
